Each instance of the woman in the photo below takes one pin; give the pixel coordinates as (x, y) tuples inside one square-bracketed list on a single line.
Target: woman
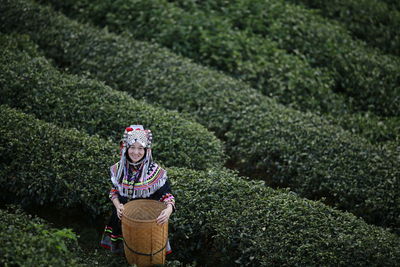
[(135, 176)]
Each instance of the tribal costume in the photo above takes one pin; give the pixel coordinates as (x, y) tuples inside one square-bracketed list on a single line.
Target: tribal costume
[(144, 179)]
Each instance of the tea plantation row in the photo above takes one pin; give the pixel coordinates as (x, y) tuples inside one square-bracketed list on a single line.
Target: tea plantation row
[(373, 21), (368, 78), (263, 138), (294, 149), (31, 241), (228, 218), (257, 60), (365, 75), (28, 241), (212, 41), (30, 83)]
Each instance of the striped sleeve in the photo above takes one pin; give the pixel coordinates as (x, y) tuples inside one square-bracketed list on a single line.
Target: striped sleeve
[(114, 193), (168, 198)]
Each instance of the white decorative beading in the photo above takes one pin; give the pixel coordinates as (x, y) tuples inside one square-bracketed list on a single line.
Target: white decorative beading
[(136, 133)]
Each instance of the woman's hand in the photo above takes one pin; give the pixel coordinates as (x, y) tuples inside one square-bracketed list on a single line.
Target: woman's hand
[(164, 215), (120, 209)]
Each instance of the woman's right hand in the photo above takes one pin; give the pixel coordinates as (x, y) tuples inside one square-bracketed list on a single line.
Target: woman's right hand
[(120, 209)]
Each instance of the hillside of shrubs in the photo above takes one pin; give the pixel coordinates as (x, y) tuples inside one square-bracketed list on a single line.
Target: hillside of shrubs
[(89, 105), (28, 241), (229, 218), (274, 155), (356, 70), (373, 21), (287, 78), (288, 148), (393, 4), (257, 60), (367, 77)]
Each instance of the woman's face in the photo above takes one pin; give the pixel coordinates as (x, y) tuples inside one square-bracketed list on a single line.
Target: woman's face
[(136, 152)]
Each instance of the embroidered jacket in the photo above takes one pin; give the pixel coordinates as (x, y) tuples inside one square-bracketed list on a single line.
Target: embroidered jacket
[(155, 185)]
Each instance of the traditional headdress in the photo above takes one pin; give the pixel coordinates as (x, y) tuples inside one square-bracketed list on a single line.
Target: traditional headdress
[(151, 175), (136, 133)]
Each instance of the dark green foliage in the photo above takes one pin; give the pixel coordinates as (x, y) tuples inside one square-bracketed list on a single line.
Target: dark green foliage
[(29, 241), (370, 79), (31, 84), (368, 125), (264, 139), (393, 4), (315, 164), (370, 20), (213, 41), (221, 218), (228, 221), (42, 164)]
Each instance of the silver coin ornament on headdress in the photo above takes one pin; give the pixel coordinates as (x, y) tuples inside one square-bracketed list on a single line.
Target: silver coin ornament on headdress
[(136, 133)]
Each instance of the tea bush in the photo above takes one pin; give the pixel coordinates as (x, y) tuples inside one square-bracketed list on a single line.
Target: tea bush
[(31, 84), (29, 241), (213, 41), (376, 129), (369, 78), (221, 218), (393, 4), (263, 139), (48, 165), (370, 20), (32, 241), (227, 221)]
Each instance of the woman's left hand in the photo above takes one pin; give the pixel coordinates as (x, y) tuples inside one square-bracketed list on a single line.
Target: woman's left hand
[(164, 215)]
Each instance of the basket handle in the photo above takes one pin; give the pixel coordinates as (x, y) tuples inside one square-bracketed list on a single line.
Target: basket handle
[(145, 254)]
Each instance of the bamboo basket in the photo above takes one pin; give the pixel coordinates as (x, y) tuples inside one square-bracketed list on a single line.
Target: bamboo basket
[(144, 240)]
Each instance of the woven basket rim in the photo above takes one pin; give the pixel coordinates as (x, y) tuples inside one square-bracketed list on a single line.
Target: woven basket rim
[(139, 220)]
